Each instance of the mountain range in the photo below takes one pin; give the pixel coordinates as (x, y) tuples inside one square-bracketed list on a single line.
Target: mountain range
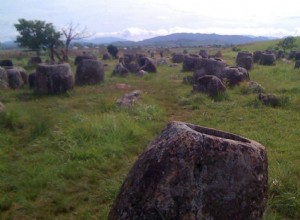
[(172, 40), (184, 40)]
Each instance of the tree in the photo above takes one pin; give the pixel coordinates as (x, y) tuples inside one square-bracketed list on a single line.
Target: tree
[(38, 35), (113, 50), (287, 43), (71, 32)]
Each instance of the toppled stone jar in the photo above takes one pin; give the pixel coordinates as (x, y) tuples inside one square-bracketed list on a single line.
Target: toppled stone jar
[(193, 172)]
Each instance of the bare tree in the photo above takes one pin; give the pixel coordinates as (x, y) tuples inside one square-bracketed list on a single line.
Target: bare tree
[(72, 32)]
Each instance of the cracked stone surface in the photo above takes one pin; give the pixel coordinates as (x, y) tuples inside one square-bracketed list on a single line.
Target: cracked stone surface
[(193, 172)]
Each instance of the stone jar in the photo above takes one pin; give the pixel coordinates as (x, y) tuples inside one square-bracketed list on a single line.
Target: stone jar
[(193, 172), (53, 78)]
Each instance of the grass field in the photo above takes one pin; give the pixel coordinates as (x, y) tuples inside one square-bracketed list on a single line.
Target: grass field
[(65, 157)]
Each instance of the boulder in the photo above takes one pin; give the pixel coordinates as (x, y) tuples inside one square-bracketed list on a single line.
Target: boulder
[(128, 58), (244, 59), (297, 56), (177, 58), (89, 72), (244, 54), (35, 60), (120, 70), (257, 56), (292, 55), (129, 99), (53, 78), (6, 63), (78, 59), (210, 66), (209, 84), (267, 59), (203, 53), (255, 87), (106, 56), (194, 172), (147, 65), (269, 99), (234, 75), (15, 80), (297, 64), (190, 62), (31, 80), (3, 79), (245, 62), (23, 74), (132, 67)]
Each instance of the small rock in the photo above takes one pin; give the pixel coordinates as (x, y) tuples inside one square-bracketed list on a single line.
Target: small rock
[(269, 99), (128, 99)]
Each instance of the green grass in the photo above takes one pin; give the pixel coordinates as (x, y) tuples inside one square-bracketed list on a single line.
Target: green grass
[(66, 156)]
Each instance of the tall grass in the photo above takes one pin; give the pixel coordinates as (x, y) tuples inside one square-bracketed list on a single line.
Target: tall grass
[(65, 157)]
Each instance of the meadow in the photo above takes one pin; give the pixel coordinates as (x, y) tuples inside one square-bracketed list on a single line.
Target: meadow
[(66, 156)]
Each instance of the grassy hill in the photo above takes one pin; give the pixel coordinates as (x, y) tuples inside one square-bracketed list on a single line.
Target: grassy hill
[(65, 157)]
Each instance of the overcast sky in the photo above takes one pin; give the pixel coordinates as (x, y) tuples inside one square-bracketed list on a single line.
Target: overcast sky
[(140, 19)]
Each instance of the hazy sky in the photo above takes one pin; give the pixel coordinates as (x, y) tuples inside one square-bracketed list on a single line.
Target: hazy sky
[(140, 19)]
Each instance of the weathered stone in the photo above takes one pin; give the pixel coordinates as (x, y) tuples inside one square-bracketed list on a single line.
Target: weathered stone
[(203, 53), (292, 55), (53, 78), (3, 79), (120, 70), (147, 65), (31, 80), (23, 74), (35, 61), (255, 87), (193, 172), (78, 59), (245, 62), (128, 58), (267, 59), (190, 62), (209, 67), (15, 80), (89, 72), (244, 59), (209, 84), (297, 64), (128, 99), (234, 75), (177, 58), (244, 54), (297, 55), (257, 56), (106, 56), (269, 99), (6, 63), (132, 67)]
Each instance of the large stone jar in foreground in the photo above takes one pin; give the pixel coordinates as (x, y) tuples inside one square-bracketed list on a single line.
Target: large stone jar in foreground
[(53, 78), (192, 172)]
